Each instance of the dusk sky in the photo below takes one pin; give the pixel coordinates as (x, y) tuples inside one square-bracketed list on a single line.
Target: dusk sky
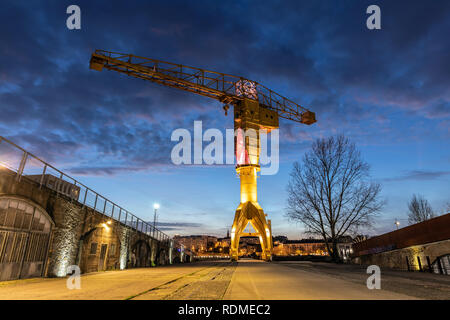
[(388, 90)]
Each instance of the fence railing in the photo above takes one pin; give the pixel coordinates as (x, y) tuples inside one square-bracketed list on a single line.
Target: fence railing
[(27, 165)]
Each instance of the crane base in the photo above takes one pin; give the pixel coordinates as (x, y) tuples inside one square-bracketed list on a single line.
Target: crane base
[(251, 212)]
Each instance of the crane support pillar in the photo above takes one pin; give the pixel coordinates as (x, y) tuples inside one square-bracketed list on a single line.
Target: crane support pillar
[(249, 118), (249, 211)]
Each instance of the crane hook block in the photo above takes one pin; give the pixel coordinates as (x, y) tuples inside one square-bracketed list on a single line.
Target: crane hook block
[(226, 107)]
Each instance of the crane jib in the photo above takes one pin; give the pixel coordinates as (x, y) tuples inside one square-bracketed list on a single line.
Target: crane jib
[(228, 89)]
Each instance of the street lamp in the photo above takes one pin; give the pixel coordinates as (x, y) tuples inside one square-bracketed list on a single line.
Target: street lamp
[(155, 207), (397, 223)]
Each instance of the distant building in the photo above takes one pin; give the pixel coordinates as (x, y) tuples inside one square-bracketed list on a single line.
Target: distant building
[(205, 245), (249, 240), (198, 243), (303, 247), (280, 239), (311, 246), (345, 250), (249, 246), (224, 242)]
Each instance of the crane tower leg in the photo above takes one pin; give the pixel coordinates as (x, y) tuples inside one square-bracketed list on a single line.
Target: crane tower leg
[(247, 116), (249, 211)]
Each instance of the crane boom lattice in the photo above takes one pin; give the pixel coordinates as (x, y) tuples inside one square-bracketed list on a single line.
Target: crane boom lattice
[(226, 88)]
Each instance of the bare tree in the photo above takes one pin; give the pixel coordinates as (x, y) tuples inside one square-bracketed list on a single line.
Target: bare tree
[(329, 192), (419, 209)]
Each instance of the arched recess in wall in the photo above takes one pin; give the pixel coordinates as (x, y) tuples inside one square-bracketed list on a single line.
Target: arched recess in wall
[(25, 230), (442, 264), (162, 256), (140, 254)]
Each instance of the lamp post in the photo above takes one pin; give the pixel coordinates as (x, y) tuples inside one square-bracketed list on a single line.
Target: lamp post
[(397, 223), (155, 207)]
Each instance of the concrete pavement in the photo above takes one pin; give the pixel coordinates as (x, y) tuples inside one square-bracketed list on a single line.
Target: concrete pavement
[(109, 285), (262, 281), (421, 285), (247, 279)]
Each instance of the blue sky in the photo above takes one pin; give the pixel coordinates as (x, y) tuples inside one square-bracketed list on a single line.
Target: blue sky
[(388, 90)]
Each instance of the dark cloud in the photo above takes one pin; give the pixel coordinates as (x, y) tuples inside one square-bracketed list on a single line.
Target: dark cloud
[(318, 53), (103, 170), (168, 226), (177, 226), (419, 175), (439, 110)]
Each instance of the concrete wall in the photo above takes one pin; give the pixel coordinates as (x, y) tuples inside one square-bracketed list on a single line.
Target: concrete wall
[(415, 247), (79, 233), (396, 259)]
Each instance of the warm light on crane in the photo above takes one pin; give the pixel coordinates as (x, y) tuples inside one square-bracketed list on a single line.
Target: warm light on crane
[(255, 107)]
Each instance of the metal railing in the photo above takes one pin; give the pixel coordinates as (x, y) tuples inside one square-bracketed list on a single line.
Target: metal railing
[(27, 165)]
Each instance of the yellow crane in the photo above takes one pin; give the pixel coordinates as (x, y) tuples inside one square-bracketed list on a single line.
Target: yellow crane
[(255, 107)]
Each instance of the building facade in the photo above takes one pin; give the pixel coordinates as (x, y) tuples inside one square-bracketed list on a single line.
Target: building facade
[(43, 231)]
